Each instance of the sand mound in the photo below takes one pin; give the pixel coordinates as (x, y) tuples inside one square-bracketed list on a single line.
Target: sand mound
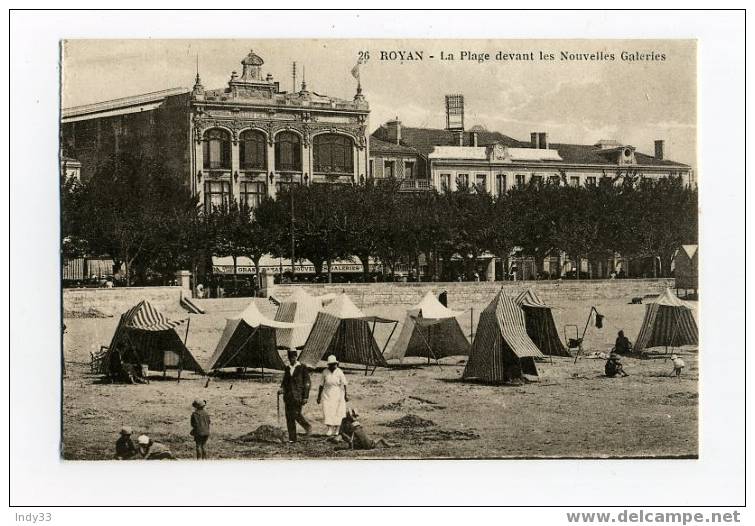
[(412, 403), (265, 433), (410, 422)]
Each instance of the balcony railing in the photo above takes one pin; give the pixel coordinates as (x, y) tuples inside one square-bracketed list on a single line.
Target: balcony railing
[(413, 185)]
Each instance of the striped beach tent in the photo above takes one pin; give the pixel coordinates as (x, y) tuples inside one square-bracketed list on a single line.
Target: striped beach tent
[(430, 330), (668, 322), (249, 340), (145, 336), (501, 350), (301, 308), (343, 330), (541, 327)]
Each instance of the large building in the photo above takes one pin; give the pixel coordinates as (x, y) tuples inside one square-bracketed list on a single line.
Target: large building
[(490, 161), (243, 141)]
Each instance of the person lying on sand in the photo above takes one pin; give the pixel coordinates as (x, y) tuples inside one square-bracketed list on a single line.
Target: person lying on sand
[(614, 367), (151, 450), (354, 435)]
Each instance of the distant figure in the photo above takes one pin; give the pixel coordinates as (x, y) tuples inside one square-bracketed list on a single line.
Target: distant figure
[(116, 370), (200, 291), (200, 427), (124, 446), (614, 367), (333, 396), (354, 435), (295, 390), (623, 345), (109, 283), (476, 276), (151, 450), (678, 365)]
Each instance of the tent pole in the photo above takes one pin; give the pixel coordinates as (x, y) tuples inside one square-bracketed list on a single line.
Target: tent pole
[(584, 331), (395, 324)]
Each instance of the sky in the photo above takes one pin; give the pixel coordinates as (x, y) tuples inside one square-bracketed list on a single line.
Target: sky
[(582, 98)]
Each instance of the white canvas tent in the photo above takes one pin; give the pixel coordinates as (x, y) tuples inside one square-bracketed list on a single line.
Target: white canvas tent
[(302, 308), (430, 330), (249, 340)]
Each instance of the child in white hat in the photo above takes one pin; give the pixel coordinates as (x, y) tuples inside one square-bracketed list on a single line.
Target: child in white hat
[(678, 365)]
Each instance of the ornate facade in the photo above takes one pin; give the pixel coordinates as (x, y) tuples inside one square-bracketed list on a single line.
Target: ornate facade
[(243, 142), (251, 138)]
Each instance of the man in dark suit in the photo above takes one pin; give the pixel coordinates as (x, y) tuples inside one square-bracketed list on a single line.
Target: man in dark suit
[(295, 390)]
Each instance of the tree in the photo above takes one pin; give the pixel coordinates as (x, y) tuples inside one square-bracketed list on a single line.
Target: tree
[(534, 216), (123, 209), (667, 212)]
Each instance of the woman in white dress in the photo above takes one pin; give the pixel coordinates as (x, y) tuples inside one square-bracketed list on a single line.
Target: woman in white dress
[(332, 395)]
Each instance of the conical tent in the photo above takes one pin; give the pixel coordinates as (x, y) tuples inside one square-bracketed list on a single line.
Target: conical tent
[(301, 308), (343, 330), (430, 330), (541, 327), (249, 340), (501, 350), (668, 322), (145, 336)]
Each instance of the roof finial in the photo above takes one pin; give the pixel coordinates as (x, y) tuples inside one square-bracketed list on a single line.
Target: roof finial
[(304, 78)]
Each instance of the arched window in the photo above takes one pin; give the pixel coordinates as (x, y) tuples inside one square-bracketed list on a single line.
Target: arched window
[(333, 154), (217, 149), (252, 150), (288, 152)]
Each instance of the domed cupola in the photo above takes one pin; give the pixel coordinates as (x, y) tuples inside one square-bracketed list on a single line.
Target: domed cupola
[(252, 65)]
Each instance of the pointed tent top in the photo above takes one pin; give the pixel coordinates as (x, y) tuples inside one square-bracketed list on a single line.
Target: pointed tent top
[(690, 250), (342, 307), (529, 298), (146, 317), (430, 308), (299, 295), (254, 318), (669, 299)]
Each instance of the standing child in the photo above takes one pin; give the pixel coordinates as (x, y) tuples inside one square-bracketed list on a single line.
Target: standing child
[(200, 427), (678, 365)]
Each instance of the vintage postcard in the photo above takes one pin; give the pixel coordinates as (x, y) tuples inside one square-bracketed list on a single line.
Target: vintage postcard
[(386, 249)]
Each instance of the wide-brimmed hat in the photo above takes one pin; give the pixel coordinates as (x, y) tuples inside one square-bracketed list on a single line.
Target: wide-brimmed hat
[(674, 357), (126, 430), (143, 440), (292, 350), (332, 359), (199, 403)]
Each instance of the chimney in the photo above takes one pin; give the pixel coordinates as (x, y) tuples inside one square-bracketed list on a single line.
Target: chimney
[(393, 129), (543, 140), (460, 137), (535, 140), (659, 150), (474, 138)]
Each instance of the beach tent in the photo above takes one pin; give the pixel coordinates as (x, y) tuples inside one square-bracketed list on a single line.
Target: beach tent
[(430, 330), (302, 308), (343, 330), (668, 322), (151, 339), (501, 350), (249, 340), (541, 327)]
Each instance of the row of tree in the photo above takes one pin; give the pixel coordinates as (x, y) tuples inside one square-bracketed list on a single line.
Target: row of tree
[(146, 219)]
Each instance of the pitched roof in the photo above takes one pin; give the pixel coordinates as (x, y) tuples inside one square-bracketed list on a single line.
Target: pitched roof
[(379, 146), (426, 139)]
